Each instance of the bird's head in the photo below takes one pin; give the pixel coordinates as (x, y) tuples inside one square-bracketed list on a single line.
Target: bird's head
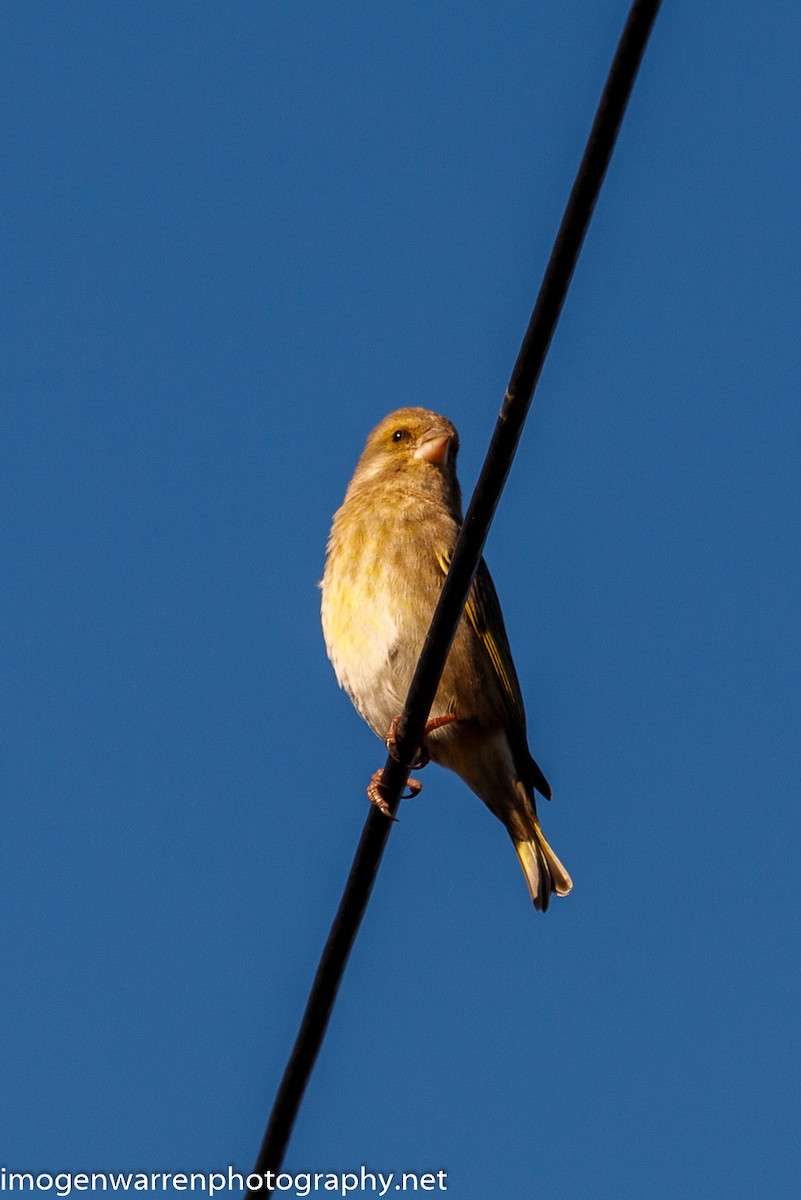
[(414, 449)]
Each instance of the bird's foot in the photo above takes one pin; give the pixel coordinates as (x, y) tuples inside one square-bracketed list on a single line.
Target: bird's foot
[(374, 789), (376, 796), (422, 756)]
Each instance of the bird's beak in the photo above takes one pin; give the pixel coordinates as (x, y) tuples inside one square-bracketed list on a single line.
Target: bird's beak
[(433, 446)]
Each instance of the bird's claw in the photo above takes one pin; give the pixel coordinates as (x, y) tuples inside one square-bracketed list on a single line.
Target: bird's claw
[(376, 796)]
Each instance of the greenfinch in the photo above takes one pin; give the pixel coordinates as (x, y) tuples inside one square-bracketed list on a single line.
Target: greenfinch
[(388, 554)]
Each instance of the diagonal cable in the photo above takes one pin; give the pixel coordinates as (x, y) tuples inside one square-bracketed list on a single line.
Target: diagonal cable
[(466, 555)]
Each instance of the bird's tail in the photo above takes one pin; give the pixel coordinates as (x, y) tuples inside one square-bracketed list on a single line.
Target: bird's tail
[(543, 871)]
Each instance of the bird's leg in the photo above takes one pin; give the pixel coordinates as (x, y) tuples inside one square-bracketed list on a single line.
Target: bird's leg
[(422, 754), (437, 722)]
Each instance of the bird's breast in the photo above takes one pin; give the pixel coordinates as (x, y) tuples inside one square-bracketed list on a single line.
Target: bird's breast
[(376, 607)]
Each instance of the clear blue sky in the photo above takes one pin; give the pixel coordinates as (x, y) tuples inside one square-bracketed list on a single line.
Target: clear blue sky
[(235, 236)]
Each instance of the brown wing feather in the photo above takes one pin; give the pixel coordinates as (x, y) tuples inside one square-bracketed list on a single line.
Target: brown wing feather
[(483, 611)]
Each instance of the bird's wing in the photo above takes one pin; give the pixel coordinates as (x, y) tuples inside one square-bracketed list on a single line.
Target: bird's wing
[(483, 611)]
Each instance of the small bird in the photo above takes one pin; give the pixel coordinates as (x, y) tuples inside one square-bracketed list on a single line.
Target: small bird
[(388, 554)]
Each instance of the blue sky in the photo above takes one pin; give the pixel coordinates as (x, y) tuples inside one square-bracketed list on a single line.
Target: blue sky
[(235, 236)]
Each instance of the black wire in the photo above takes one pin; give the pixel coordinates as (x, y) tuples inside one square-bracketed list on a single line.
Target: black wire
[(467, 553)]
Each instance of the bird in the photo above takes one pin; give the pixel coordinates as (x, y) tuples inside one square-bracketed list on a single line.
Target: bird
[(387, 556)]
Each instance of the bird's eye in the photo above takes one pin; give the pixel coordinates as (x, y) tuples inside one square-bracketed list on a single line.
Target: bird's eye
[(399, 435)]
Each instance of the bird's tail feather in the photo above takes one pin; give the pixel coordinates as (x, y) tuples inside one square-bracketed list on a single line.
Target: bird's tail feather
[(543, 871)]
